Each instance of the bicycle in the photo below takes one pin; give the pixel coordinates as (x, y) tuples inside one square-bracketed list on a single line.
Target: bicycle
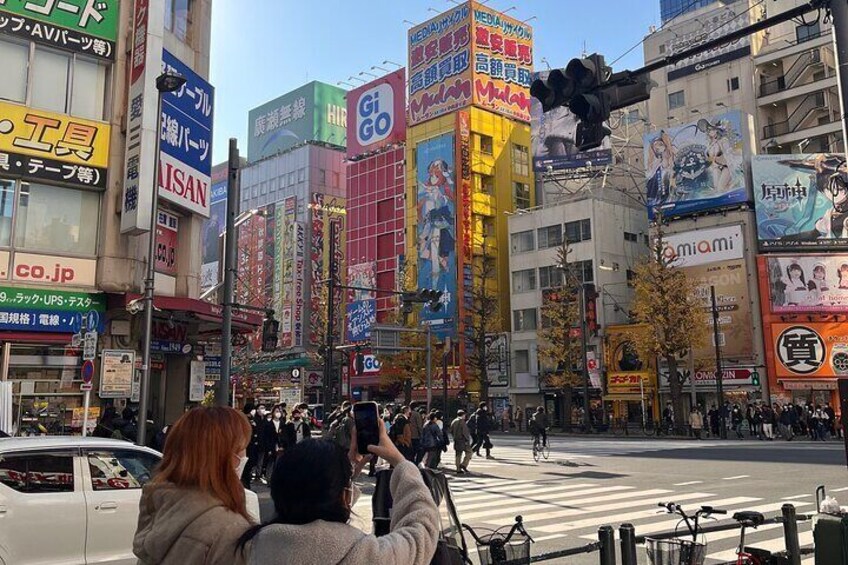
[(540, 449), (495, 548), (680, 551), (753, 555), (620, 426)]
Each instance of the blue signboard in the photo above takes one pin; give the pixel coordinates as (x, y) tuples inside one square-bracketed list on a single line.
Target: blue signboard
[(27, 320), (361, 315), (163, 346)]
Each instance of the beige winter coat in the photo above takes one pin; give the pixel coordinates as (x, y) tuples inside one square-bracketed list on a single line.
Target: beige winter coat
[(186, 527), (696, 421), (412, 541)]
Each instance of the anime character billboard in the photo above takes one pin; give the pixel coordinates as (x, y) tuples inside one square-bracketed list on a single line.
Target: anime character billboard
[(801, 201), (697, 166), (436, 230)]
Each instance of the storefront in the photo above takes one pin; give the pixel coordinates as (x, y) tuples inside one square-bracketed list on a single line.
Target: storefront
[(740, 385), (632, 394)]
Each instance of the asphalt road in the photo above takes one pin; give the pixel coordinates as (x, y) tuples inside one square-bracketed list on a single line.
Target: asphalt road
[(589, 482)]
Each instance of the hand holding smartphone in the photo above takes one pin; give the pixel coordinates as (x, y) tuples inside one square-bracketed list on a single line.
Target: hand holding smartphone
[(365, 417)]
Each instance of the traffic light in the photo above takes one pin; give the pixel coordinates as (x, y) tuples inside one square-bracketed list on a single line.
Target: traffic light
[(591, 296), (270, 332), (755, 378), (359, 362)]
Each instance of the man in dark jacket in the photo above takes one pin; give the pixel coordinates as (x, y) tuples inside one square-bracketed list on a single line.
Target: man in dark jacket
[(416, 427), (297, 430), (483, 427)]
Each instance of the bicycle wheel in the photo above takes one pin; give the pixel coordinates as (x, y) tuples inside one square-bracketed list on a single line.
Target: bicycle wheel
[(546, 451), (648, 429), (619, 427), (536, 452)]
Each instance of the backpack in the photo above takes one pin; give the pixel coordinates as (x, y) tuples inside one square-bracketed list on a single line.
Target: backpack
[(472, 424), (337, 432), (397, 429)]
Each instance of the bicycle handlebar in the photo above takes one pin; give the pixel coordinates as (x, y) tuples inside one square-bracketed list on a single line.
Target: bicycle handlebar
[(495, 537)]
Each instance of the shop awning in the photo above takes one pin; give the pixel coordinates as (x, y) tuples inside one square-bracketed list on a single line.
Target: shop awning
[(277, 366), (200, 309)]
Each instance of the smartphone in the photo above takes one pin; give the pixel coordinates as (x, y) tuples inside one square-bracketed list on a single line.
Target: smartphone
[(367, 430)]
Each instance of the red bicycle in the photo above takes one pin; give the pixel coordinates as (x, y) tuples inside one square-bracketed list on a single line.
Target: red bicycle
[(753, 555)]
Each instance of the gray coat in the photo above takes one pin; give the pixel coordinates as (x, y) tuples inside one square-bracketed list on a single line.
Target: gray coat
[(412, 540), (461, 434)]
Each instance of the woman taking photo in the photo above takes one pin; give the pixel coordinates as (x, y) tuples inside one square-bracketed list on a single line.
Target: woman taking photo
[(193, 511), (313, 492)]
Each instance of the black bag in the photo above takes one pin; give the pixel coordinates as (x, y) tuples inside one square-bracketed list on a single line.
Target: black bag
[(450, 548)]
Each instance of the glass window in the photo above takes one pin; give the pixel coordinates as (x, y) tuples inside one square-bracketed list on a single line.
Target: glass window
[(550, 236), (550, 276), (7, 201), (522, 241), (486, 144), (520, 160), (89, 86), (580, 230), (120, 469), (524, 280), (178, 18), (524, 320), (807, 32), (628, 236), (521, 193), (38, 473), (522, 361), (49, 81), (55, 219), (301, 174), (14, 58), (292, 178), (336, 180), (676, 100), (322, 176)]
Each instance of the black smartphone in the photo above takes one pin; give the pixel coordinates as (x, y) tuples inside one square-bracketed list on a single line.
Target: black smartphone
[(367, 430)]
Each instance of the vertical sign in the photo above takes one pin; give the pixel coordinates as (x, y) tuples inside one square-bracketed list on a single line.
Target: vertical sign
[(167, 226), (317, 260), (142, 121), (466, 243), (299, 271), (197, 379)]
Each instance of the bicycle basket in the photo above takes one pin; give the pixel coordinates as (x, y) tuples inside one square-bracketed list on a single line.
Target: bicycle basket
[(494, 552), (675, 552)]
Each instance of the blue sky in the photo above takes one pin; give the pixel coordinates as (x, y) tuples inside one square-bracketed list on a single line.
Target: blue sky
[(264, 48)]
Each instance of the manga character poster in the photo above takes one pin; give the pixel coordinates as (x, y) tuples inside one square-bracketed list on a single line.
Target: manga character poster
[(808, 283), (698, 166), (801, 201), (436, 230)]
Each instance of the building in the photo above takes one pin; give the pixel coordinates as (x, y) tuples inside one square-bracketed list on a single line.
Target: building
[(78, 79), (468, 164), (376, 180), (606, 233), (670, 9)]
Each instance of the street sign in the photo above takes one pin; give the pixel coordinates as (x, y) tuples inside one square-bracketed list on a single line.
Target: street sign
[(87, 371), (385, 336), (295, 373), (86, 387), (89, 346)]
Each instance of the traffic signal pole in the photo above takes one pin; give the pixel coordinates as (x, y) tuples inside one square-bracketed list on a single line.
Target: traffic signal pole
[(329, 381), (722, 431), (584, 350), (222, 387)]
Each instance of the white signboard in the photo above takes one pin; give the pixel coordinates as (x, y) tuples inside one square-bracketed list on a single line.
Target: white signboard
[(197, 379), (116, 373), (89, 346), (699, 247), (290, 396)]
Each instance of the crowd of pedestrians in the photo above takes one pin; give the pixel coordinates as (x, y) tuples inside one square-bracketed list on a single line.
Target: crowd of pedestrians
[(768, 422), (272, 432)]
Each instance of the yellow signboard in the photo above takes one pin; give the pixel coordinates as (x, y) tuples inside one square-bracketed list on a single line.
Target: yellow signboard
[(55, 147)]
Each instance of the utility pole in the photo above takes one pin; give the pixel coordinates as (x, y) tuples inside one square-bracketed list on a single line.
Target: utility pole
[(839, 15), (429, 369), (584, 350), (329, 381), (222, 388), (445, 354), (719, 376)]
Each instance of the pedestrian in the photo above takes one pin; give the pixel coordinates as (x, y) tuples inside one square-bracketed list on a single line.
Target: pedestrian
[(505, 419), (696, 422), (749, 417), (416, 426), (757, 421), (105, 428), (519, 418), (768, 419), (539, 425), (714, 421), (296, 431), (340, 429), (273, 433), (668, 417), (313, 493), (736, 419), (432, 441), (401, 433), (785, 422), (461, 442), (831, 418), (472, 427), (253, 447), (484, 426), (193, 510)]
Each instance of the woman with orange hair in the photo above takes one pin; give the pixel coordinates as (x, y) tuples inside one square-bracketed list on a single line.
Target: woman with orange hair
[(193, 511)]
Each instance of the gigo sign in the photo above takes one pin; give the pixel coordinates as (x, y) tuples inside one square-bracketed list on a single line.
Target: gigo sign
[(374, 116), (376, 112), (371, 364)]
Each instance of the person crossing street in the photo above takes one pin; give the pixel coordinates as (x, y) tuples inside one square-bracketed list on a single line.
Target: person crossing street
[(461, 442), (483, 426)]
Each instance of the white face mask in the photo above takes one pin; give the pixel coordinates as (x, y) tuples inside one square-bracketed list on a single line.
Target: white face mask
[(241, 465)]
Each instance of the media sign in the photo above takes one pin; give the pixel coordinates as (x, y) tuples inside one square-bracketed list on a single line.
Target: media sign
[(375, 114)]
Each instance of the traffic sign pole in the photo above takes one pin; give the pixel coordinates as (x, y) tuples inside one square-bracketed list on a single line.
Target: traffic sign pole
[(87, 373)]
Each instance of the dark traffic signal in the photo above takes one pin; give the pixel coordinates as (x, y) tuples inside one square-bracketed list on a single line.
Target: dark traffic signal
[(270, 332), (429, 296)]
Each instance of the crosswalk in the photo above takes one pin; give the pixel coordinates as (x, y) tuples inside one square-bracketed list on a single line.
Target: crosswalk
[(567, 513)]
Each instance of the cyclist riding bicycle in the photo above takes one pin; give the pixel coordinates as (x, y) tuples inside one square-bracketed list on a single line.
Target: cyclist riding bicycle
[(539, 425)]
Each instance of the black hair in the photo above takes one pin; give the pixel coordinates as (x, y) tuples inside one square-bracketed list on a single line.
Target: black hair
[(308, 484)]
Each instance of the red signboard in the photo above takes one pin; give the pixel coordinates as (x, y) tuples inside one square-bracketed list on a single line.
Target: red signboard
[(167, 229), (376, 114)]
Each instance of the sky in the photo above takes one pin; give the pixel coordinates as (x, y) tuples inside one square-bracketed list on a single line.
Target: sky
[(264, 48)]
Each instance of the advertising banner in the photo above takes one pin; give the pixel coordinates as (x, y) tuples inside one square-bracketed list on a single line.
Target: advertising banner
[(810, 349), (699, 247), (167, 230), (801, 201), (313, 112), (299, 283), (463, 122), (503, 63), (436, 230), (53, 147), (554, 135), (808, 283), (197, 381), (736, 334), (213, 228), (316, 255), (34, 310), (619, 354), (185, 164), (696, 166), (440, 73), (143, 124), (83, 26), (376, 114), (284, 267), (64, 271), (705, 379), (361, 315), (634, 382), (362, 275), (255, 257), (497, 357), (116, 373)]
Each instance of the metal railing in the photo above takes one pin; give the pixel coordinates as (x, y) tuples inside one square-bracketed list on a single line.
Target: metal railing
[(812, 102), (789, 78)]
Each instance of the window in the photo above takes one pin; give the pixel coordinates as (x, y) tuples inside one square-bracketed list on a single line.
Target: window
[(522, 241), (50, 72), (7, 200), (580, 230), (524, 320), (14, 59), (550, 236), (550, 276), (662, 48), (520, 160), (521, 195), (805, 33), (631, 237), (524, 280), (676, 100), (484, 184), (178, 18), (301, 174), (336, 180), (522, 361), (322, 176), (55, 219), (38, 473), (486, 144), (732, 84), (121, 469), (583, 270), (386, 210), (89, 87), (292, 178)]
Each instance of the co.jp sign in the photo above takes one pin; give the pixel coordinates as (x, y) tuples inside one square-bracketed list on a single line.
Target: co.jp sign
[(375, 114)]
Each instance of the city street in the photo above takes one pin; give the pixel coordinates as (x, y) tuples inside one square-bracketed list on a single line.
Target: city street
[(589, 482)]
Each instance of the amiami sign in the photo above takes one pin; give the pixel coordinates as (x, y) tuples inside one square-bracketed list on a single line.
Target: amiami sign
[(700, 247)]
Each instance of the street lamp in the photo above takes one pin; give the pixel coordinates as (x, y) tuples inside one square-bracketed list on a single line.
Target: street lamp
[(169, 81)]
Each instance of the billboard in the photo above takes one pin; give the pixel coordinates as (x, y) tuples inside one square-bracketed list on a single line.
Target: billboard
[(313, 112), (553, 136), (361, 305), (440, 65), (503, 63), (801, 201), (213, 228), (810, 349), (697, 166), (376, 114), (436, 229), (808, 283), (699, 247)]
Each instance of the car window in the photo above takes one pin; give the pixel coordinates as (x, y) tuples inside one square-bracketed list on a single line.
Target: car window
[(35, 473), (120, 469)]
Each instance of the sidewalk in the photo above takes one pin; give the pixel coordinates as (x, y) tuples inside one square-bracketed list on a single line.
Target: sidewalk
[(638, 435)]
